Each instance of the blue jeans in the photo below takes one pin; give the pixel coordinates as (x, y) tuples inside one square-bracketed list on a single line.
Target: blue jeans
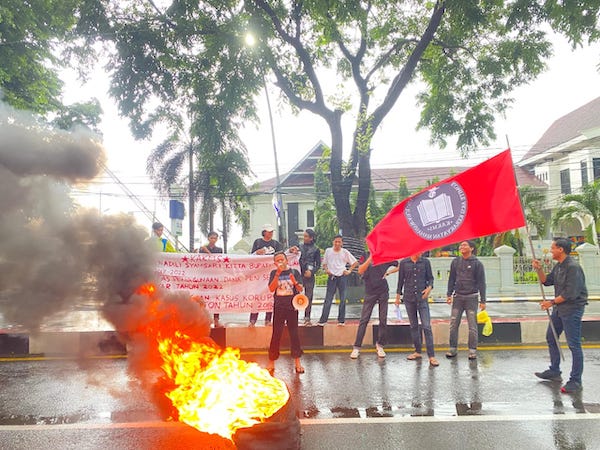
[(309, 288), (381, 299), (468, 304), (571, 325), (334, 284), (421, 307)]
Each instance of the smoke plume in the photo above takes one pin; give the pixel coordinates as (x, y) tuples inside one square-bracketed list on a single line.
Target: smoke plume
[(54, 254)]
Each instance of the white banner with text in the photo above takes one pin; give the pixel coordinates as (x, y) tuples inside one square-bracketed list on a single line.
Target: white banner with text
[(226, 283)]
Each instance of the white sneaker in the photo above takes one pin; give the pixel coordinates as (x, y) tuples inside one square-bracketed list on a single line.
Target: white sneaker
[(380, 351), (355, 353)]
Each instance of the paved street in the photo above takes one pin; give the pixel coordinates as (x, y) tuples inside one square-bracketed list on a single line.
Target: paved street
[(495, 402), (87, 317)]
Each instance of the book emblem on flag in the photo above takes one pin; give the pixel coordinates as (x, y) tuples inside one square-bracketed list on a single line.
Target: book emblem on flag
[(437, 212)]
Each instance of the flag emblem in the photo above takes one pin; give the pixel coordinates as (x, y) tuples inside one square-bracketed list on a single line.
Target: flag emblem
[(437, 212)]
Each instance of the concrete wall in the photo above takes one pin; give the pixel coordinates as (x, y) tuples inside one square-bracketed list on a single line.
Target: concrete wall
[(500, 278)]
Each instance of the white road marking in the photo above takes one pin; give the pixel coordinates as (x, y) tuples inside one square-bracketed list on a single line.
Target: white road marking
[(92, 426), (474, 418), (341, 421)]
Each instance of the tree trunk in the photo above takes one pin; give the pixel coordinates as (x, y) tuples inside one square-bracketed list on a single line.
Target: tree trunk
[(340, 184)]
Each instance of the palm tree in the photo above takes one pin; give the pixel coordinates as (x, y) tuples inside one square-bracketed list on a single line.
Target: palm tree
[(218, 178), (533, 200), (165, 165), (220, 184), (583, 206)]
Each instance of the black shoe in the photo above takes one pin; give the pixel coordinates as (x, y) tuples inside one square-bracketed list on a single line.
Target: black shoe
[(450, 354), (571, 387), (549, 375)]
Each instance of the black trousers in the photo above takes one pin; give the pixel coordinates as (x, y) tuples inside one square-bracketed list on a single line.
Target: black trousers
[(281, 317)]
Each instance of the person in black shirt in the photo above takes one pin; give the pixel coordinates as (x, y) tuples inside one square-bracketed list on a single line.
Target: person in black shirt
[(570, 298), (310, 262), (376, 293), (466, 287), (415, 281), (284, 283), (265, 246), (211, 247)]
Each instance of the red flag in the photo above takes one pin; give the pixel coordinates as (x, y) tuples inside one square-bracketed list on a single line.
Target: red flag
[(479, 201)]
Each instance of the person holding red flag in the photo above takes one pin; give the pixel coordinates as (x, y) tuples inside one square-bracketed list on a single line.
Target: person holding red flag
[(568, 306), (480, 201), (466, 287)]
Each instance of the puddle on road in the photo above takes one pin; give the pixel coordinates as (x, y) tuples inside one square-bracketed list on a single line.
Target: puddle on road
[(415, 409), (420, 409), (15, 419)]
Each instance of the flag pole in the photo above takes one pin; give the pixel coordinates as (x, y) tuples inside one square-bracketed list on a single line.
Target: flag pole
[(554, 333)]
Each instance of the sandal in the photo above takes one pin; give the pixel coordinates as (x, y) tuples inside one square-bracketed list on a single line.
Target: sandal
[(450, 354), (299, 369), (414, 356), (433, 362)]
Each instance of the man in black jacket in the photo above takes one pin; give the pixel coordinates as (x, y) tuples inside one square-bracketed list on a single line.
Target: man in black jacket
[(310, 262), (466, 288), (415, 282), (568, 304), (376, 293)]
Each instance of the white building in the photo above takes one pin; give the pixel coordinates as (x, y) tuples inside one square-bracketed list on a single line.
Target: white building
[(566, 157)]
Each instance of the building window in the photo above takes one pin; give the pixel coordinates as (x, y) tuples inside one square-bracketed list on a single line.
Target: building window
[(310, 218), (584, 174), (596, 168), (565, 182)]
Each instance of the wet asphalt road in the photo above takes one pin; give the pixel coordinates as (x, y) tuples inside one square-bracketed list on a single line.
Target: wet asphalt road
[(494, 402)]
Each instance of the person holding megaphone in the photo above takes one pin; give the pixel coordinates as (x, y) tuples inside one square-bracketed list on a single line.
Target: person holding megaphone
[(285, 283)]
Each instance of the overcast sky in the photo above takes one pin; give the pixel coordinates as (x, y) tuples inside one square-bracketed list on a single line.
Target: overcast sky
[(572, 79)]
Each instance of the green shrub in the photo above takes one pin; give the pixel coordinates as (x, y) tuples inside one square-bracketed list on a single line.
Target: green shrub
[(320, 278)]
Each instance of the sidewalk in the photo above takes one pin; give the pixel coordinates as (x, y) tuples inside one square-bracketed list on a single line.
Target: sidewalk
[(85, 333)]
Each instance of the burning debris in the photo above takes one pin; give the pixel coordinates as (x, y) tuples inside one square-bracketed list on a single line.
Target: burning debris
[(52, 251), (208, 388)]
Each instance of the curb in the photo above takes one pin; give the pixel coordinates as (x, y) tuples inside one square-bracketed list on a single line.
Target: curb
[(89, 344)]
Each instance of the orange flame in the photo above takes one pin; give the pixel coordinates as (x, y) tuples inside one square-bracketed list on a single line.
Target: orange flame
[(216, 391), (210, 388)]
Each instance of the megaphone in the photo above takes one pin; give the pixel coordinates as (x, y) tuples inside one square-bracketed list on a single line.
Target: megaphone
[(300, 302)]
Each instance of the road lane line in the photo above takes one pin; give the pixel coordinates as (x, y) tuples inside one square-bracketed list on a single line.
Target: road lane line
[(92, 426), (474, 418), (342, 421)]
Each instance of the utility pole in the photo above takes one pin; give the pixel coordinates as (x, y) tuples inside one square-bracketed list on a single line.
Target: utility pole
[(281, 225)]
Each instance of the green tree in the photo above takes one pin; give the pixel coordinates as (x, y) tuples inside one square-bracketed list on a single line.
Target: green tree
[(29, 33), (533, 200), (468, 57), (85, 114), (403, 191), (218, 182), (184, 68), (33, 37), (326, 221), (583, 206)]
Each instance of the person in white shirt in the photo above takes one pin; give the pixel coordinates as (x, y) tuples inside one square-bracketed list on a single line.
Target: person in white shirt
[(338, 264)]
